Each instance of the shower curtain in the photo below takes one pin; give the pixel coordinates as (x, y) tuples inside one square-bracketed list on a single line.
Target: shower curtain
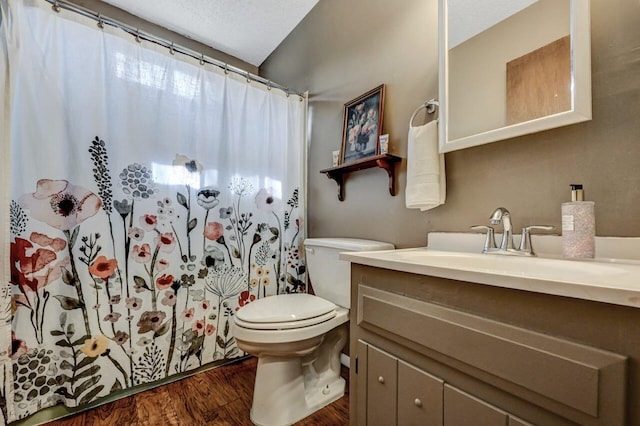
[(150, 198)]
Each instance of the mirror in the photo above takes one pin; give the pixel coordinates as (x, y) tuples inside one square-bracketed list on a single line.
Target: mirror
[(511, 67)]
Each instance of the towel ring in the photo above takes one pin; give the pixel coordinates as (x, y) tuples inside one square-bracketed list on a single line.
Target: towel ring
[(431, 106)]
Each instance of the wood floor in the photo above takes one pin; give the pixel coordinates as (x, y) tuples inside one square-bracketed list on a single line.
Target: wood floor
[(221, 396)]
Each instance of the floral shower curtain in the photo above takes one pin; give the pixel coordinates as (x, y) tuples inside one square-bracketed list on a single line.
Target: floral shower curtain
[(150, 198)]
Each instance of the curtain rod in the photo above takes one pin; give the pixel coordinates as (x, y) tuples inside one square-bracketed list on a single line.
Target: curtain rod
[(57, 5)]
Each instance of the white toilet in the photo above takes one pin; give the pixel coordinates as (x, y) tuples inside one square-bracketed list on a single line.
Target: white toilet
[(298, 338)]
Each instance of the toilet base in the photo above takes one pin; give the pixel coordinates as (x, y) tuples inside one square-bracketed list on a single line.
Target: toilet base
[(290, 388), (280, 397)]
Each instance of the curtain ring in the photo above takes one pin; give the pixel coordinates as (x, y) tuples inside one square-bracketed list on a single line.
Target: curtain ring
[(269, 85), (248, 78), (100, 22), (172, 50), (202, 59), (56, 6), (301, 98), (226, 68), (138, 35)]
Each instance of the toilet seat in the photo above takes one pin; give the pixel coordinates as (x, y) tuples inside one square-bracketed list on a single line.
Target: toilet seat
[(286, 325), (285, 311)]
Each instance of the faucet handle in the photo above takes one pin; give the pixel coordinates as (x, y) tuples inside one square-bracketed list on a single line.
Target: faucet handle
[(525, 240), (490, 240)]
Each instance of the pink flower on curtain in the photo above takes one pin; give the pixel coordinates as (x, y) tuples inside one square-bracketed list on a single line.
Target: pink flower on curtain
[(198, 327), (133, 303), (169, 298), (167, 242), (187, 314), (213, 230), (141, 253), (162, 264), (149, 221), (112, 317), (265, 200), (57, 244), (61, 204), (136, 233)]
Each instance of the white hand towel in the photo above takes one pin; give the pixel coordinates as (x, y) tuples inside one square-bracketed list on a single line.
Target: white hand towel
[(426, 182)]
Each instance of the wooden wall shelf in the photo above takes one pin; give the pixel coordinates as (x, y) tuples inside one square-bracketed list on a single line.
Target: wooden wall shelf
[(384, 161)]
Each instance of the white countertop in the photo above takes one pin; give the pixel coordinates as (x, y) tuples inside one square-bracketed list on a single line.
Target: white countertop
[(607, 280)]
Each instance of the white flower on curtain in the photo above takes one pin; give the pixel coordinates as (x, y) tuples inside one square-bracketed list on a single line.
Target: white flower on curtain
[(132, 250)]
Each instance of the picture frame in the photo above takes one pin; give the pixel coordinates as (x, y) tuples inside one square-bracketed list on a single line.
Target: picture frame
[(362, 126)]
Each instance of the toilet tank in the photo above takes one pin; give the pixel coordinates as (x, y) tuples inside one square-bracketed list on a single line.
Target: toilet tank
[(331, 277)]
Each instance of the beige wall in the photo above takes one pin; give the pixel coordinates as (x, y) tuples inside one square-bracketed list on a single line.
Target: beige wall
[(344, 48)]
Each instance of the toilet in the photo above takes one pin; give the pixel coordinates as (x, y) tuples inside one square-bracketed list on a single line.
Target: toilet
[(298, 338)]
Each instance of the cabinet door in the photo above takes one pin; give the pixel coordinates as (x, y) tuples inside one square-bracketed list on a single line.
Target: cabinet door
[(419, 397), (461, 409), (382, 388), (514, 421)]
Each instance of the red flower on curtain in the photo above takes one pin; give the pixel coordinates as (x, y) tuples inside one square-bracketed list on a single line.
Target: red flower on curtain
[(18, 346), (164, 281), (34, 267), (245, 298)]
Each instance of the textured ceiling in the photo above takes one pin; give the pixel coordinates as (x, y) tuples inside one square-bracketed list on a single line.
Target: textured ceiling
[(468, 18), (247, 29)]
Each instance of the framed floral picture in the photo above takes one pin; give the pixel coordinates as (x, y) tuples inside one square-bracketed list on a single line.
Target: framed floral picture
[(362, 126)]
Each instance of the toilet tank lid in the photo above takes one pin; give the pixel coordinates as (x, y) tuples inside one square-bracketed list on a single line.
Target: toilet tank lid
[(348, 244)]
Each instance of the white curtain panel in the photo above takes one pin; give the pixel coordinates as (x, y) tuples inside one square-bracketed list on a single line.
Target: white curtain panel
[(150, 198)]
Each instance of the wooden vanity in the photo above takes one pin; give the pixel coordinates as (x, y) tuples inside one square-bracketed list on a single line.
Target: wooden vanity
[(428, 350)]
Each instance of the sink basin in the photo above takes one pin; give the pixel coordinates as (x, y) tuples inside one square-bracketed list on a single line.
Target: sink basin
[(611, 280)]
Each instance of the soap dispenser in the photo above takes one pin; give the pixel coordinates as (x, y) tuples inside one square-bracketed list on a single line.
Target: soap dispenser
[(578, 226)]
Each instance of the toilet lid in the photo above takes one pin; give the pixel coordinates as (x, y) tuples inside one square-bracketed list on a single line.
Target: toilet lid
[(286, 308), (285, 325)]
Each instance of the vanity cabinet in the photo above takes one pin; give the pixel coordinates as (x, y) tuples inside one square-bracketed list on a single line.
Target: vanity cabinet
[(434, 351)]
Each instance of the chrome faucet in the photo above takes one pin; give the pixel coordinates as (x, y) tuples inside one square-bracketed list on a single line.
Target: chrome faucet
[(507, 246), (502, 215)]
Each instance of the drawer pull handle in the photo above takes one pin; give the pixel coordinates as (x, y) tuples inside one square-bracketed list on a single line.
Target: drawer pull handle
[(381, 379), (417, 402)]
